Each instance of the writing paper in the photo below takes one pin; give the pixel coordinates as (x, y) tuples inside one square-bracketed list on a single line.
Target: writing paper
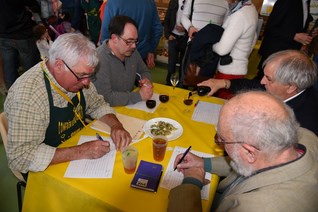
[(207, 112), (142, 104), (133, 125), (173, 178), (93, 168)]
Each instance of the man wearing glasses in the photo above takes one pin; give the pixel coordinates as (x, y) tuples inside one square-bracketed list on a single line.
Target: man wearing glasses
[(48, 104), (120, 65), (288, 75), (273, 161)]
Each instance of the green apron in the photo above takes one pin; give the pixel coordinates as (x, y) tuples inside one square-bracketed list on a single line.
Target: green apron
[(63, 121)]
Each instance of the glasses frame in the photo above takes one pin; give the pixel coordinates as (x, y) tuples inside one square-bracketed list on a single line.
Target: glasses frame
[(75, 75), (221, 141), (129, 42)]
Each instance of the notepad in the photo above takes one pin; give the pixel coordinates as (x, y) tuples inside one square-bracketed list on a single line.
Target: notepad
[(147, 176), (207, 112), (173, 178)]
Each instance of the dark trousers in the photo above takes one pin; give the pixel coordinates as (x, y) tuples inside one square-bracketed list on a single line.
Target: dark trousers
[(176, 49), (15, 51)]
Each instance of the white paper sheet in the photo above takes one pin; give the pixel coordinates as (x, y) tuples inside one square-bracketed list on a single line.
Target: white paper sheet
[(173, 178), (93, 168), (142, 105), (206, 112), (133, 125)]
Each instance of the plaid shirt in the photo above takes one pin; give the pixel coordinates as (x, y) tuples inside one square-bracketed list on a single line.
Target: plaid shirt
[(28, 112)]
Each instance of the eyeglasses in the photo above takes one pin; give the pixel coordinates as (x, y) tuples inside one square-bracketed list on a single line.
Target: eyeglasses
[(221, 141), (129, 42), (75, 75)]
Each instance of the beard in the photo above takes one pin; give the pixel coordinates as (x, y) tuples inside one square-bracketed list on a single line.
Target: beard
[(239, 166)]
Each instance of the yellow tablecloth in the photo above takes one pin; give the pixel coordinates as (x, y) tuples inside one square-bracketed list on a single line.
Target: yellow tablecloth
[(50, 191)]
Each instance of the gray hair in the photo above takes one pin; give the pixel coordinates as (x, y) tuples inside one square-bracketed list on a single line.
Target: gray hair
[(268, 131), (73, 47), (294, 68)]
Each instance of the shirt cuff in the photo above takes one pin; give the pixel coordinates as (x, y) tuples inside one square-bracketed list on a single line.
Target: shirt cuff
[(207, 164), (193, 181)]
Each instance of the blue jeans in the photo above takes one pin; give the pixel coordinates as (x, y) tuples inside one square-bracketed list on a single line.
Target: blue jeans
[(15, 52), (176, 49)]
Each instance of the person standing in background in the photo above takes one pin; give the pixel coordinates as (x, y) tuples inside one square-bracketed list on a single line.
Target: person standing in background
[(176, 35), (204, 12), (91, 8), (73, 7), (145, 13), (16, 37), (3, 89), (43, 40), (238, 40), (286, 28)]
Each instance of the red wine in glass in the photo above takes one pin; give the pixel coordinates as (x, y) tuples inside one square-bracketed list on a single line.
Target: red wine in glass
[(163, 98), (150, 103), (188, 101)]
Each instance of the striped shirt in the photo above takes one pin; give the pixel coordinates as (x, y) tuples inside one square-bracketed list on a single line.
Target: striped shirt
[(204, 12)]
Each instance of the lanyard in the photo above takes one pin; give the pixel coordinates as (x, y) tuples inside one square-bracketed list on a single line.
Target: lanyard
[(76, 108)]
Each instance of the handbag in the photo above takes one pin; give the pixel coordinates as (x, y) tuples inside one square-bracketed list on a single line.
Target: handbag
[(191, 70)]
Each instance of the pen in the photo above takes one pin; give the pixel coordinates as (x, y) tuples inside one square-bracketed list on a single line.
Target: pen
[(99, 137), (183, 156), (196, 103), (139, 76)]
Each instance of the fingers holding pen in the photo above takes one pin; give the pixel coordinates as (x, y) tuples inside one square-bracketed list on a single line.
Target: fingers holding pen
[(189, 161), (94, 149)]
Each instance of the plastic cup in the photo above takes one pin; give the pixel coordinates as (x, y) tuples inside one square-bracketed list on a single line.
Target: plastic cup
[(129, 156), (159, 145)]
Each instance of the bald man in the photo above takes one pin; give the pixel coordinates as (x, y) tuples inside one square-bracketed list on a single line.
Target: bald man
[(272, 163)]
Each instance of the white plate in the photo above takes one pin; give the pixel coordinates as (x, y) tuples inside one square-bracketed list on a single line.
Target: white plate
[(174, 134)]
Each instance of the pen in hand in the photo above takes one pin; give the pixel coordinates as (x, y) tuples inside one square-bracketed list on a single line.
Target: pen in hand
[(183, 156), (99, 137)]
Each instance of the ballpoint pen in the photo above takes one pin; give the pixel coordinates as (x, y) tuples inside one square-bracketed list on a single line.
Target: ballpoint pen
[(99, 137), (183, 156), (139, 76), (196, 103), (141, 84)]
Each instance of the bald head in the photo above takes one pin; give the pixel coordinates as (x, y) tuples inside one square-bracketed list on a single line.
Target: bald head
[(255, 104), (259, 119)]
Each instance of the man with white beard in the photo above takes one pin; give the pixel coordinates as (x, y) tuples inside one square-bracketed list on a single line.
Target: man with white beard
[(273, 161)]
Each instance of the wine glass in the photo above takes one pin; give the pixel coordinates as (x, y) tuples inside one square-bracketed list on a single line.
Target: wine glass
[(188, 100), (174, 79), (150, 103), (163, 97)]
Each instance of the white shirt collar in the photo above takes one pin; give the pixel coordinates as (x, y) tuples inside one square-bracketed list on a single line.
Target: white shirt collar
[(292, 97)]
